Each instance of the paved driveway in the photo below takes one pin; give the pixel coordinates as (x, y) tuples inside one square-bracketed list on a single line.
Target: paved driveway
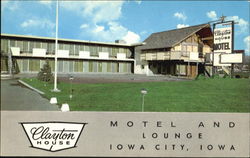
[(16, 97)]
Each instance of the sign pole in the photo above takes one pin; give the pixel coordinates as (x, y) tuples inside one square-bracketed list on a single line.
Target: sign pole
[(213, 52), (232, 65)]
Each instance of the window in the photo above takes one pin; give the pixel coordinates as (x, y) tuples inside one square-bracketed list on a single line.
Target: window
[(81, 47), (114, 51), (105, 49), (99, 48), (37, 45), (4, 45), (60, 46), (121, 50), (200, 50), (45, 45), (25, 46), (77, 49), (71, 66), (20, 45), (66, 46), (71, 49), (109, 67), (184, 50), (34, 65), (99, 66), (78, 66), (86, 48), (12, 43), (91, 66), (31, 46), (93, 50), (51, 48)]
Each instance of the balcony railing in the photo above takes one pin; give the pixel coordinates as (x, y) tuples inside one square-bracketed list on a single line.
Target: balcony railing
[(172, 55), (66, 54)]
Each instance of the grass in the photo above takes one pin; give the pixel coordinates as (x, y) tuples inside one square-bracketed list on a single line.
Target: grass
[(207, 95)]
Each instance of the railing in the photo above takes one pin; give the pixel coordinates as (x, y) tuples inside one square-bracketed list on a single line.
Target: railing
[(172, 55), (71, 56)]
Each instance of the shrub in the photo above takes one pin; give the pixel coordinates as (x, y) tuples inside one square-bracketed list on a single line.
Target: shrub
[(216, 76), (201, 77), (226, 76), (45, 73)]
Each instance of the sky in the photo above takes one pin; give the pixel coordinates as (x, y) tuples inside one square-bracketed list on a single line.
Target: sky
[(130, 20)]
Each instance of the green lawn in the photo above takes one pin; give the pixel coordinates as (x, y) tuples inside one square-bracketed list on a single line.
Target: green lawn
[(209, 95)]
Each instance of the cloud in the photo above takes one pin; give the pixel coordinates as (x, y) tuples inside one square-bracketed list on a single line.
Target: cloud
[(138, 1), (212, 15), (247, 44), (99, 11), (10, 5), (243, 24), (131, 37), (40, 23), (37, 24), (98, 29), (181, 26), (181, 16), (143, 32), (84, 26), (112, 32), (101, 20)]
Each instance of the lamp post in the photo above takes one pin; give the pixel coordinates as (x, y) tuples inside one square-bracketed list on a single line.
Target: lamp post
[(56, 51), (71, 90), (143, 92)]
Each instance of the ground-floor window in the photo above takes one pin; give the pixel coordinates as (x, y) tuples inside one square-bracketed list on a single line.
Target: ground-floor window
[(73, 66), (4, 64), (174, 68)]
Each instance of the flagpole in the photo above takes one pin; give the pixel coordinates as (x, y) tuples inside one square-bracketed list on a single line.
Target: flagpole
[(56, 51)]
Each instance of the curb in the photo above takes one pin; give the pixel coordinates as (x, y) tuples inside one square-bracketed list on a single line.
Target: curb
[(32, 88)]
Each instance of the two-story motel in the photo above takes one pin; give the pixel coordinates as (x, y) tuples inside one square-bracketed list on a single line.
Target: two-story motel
[(177, 52), (29, 53)]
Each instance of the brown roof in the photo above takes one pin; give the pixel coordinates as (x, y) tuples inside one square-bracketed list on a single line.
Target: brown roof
[(170, 38)]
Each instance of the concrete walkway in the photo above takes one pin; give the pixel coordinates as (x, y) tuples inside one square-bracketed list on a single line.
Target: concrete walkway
[(17, 97)]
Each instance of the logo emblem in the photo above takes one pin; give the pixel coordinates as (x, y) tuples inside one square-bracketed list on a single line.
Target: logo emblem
[(53, 136)]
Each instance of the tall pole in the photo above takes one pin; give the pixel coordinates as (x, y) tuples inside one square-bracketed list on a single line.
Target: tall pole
[(232, 41), (56, 50), (213, 70)]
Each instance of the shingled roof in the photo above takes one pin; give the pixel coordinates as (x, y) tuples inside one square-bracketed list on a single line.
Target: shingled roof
[(170, 38)]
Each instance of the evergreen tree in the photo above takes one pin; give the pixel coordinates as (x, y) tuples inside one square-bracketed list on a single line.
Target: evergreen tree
[(45, 73)]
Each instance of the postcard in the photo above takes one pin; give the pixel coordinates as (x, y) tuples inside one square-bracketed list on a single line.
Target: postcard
[(125, 78)]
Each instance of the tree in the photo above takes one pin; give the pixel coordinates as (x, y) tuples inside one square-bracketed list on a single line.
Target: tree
[(45, 73)]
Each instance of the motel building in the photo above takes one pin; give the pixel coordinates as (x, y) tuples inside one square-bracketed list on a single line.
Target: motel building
[(184, 52), (29, 53), (179, 52)]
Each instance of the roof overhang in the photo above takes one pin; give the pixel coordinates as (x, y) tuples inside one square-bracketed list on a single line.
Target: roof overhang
[(69, 40)]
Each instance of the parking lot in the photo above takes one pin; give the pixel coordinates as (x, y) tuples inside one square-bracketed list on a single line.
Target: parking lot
[(14, 96)]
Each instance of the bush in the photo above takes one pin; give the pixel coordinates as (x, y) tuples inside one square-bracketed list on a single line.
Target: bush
[(201, 77), (45, 73), (216, 76), (226, 76)]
